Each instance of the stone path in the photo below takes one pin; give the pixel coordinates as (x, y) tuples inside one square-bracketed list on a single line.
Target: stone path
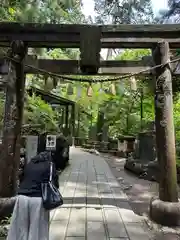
[(95, 206)]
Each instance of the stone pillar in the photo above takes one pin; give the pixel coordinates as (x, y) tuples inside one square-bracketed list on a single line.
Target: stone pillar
[(166, 209), (14, 105)]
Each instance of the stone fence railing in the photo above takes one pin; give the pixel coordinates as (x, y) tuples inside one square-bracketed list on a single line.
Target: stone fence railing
[(120, 147)]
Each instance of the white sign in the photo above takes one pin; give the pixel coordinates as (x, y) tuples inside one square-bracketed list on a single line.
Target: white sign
[(122, 146), (51, 142)]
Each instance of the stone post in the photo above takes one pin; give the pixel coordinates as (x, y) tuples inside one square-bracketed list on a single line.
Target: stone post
[(165, 210), (14, 105)]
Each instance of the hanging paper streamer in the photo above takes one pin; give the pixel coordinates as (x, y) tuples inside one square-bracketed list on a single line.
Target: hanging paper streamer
[(89, 91), (48, 84), (101, 89), (31, 51), (79, 91), (113, 89), (133, 83), (55, 82), (120, 88), (70, 89)]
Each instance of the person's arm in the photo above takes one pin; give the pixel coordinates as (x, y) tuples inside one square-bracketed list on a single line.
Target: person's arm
[(55, 177)]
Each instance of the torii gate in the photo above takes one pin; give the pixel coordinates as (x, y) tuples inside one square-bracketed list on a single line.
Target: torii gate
[(90, 40)]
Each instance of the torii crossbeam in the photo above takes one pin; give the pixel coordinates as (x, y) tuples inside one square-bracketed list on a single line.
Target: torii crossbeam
[(68, 35)]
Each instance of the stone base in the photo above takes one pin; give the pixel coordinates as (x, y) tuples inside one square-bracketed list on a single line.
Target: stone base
[(165, 213), (121, 154), (148, 171), (134, 166)]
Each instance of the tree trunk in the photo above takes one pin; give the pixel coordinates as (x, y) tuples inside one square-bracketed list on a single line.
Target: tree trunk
[(9, 157), (165, 139)]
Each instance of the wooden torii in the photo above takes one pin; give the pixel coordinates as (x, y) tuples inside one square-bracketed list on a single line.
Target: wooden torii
[(90, 39)]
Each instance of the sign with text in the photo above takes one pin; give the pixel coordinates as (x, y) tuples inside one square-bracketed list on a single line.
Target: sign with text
[(51, 142)]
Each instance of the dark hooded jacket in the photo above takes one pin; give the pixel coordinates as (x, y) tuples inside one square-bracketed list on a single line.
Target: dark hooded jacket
[(36, 172)]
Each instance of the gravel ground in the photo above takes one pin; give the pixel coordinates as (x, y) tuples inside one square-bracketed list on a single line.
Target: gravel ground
[(140, 192)]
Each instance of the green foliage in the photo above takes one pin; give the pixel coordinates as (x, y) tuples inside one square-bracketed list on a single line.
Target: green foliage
[(172, 14), (42, 11), (121, 112), (115, 107), (124, 12), (133, 54), (55, 11), (37, 112), (4, 227)]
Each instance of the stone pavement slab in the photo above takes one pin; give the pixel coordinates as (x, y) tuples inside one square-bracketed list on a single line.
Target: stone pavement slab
[(96, 230), (95, 206)]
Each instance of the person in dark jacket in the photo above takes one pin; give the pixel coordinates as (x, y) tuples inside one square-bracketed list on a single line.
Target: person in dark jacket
[(30, 221), (36, 172)]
